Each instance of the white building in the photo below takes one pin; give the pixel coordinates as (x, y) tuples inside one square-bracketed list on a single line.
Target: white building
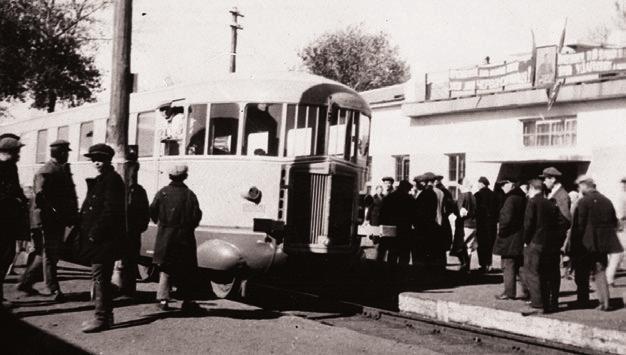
[(493, 121)]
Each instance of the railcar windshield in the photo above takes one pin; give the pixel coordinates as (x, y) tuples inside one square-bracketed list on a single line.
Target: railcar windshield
[(223, 128), (262, 129)]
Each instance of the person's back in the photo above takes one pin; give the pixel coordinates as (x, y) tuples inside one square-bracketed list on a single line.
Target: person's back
[(598, 221)]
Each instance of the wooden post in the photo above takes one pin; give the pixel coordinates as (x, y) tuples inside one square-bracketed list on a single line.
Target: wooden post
[(118, 117), (235, 26)]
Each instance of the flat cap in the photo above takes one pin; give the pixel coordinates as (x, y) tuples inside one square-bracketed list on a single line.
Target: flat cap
[(388, 178), (428, 176), (419, 178), (483, 180), (100, 150), (438, 177), (10, 143), (585, 179), (550, 172), (10, 135), (177, 170), (60, 143)]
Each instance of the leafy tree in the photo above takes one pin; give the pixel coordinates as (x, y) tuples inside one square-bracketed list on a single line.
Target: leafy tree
[(43, 51), (360, 60)]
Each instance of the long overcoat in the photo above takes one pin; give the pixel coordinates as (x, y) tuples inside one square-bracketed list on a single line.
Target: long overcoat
[(102, 225), (176, 210), (595, 224), (14, 211), (486, 215), (510, 239)]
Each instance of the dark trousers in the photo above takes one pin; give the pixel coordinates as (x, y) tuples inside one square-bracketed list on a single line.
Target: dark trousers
[(510, 271), (103, 292), (179, 275), (542, 276), (486, 236), (52, 238), (584, 266), (7, 254)]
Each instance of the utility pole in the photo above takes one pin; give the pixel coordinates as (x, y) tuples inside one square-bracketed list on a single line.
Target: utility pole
[(118, 118), (235, 26)]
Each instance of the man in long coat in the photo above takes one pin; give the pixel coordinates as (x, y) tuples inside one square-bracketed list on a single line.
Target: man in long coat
[(398, 209), (56, 201), (509, 243), (486, 223), (541, 255), (176, 210), (593, 237), (13, 205), (426, 222), (102, 230)]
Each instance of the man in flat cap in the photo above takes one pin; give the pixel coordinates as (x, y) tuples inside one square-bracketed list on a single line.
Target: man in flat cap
[(428, 221), (593, 237), (102, 230), (387, 185), (14, 212), (486, 223), (176, 210), (557, 194), (56, 201), (509, 242)]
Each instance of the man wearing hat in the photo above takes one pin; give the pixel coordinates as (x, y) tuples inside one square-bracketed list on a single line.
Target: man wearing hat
[(428, 221), (486, 223), (14, 212), (387, 185), (593, 237), (552, 180), (102, 230), (55, 198), (176, 210), (509, 243)]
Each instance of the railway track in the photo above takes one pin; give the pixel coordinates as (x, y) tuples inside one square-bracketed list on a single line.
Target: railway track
[(424, 332)]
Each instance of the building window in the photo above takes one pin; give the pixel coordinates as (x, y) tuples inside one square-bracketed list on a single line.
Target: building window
[(42, 143), (63, 132), (145, 133), (402, 167), (551, 132), (456, 171)]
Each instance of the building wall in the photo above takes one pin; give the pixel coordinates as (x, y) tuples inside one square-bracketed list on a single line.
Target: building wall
[(489, 138)]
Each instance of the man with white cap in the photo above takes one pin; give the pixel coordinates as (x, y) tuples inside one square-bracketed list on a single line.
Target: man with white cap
[(14, 216), (176, 210), (593, 237)]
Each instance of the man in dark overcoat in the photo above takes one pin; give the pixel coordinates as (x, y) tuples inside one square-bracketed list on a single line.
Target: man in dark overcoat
[(176, 210), (102, 230), (56, 201), (449, 207), (541, 255), (486, 223), (426, 226), (593, 238), (398, 209), (14, 213), (509, 243)]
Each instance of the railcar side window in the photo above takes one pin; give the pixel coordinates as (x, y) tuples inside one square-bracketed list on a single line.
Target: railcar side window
[(262, 129), (223, 129), (364, 137), (42, 143), (145, 133), (63, 132), (196, 129), (171, 128), (86, 139), (300, 130)]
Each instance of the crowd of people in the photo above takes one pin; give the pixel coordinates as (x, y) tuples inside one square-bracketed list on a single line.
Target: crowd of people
[(535, 226), (98, 233)]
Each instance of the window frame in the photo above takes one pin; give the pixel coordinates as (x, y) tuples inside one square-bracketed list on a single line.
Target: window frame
[(279, 128), (81, 156), (402, 167), (44, 153), (153, 149), (545, 133)]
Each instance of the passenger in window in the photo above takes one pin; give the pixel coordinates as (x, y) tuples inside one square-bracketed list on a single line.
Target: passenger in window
[(172, 129)]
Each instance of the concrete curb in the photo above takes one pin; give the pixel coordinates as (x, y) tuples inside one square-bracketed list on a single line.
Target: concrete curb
[(555, 330)]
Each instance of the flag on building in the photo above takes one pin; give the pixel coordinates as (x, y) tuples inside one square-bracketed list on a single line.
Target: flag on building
[(553, 92), (562, 40)]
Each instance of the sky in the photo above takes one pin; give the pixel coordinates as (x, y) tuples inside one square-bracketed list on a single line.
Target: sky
[(188, 41)]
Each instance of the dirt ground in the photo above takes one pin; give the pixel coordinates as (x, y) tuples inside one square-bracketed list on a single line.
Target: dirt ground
[(38, 325)]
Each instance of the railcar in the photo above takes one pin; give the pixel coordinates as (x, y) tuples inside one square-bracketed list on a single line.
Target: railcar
[(277, 161)]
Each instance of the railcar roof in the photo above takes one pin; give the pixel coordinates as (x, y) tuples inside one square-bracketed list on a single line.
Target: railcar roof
[(289, 87)]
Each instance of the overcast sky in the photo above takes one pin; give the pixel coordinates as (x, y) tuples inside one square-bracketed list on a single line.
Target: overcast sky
[(189, 40)]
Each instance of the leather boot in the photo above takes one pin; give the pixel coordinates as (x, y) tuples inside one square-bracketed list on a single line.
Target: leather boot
[(96, 325)]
